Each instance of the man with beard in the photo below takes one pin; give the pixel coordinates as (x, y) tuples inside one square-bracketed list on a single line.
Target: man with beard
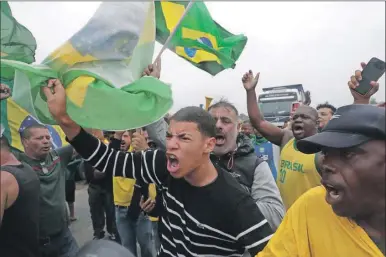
[(206, 211), (325, 112), (298, 172), (235, 153), (263, 148), (345, 217)]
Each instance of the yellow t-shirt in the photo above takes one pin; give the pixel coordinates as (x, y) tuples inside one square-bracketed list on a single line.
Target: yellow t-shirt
[(311, 229), (297, 173), (123, 189)]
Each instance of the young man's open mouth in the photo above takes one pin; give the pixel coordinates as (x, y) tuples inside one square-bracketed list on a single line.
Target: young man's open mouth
[(173, 164)]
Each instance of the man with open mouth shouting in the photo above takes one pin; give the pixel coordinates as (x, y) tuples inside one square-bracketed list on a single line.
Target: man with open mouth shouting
[(345, 217), (298, 172), (235, 153), (206, 212)]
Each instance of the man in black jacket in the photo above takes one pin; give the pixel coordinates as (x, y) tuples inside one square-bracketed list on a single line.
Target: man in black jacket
[(100, 199)]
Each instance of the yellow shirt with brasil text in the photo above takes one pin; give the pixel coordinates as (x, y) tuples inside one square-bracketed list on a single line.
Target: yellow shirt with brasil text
[(297, 173), (123, 189), (312, 229)]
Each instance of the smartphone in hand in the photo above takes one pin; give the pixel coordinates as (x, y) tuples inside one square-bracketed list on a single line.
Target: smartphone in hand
[(374, 69)]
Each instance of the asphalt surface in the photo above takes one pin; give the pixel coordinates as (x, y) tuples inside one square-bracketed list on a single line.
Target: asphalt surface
[(82, 227)]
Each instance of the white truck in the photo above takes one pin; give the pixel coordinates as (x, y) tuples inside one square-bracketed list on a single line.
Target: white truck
[(277, 104)]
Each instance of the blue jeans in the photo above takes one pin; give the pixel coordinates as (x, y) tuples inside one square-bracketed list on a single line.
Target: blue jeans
[(131, 231), (62, 245), (156, 239)]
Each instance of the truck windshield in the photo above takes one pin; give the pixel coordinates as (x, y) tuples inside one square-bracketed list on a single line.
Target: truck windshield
[(276, 108)]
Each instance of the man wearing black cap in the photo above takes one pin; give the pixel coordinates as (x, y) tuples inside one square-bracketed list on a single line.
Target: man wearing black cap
[(347, 214)]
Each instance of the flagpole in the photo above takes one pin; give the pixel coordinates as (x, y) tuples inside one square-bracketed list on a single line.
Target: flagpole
[(174, 31)]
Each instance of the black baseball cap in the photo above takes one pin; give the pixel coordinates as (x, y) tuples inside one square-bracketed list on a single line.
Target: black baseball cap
[(351, 125)]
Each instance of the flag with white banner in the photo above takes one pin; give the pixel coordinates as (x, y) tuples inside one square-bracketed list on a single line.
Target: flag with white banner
[(101, 67)]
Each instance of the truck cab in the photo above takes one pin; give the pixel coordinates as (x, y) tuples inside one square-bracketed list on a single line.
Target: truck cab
[(277, 104)]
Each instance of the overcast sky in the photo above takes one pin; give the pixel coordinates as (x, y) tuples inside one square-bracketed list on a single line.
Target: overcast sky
[(317, 44)]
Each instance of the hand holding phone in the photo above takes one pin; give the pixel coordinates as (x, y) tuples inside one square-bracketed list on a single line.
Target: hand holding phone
[(365, 81)]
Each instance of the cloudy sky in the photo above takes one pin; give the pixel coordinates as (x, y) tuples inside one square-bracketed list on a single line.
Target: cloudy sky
[(317, 44)]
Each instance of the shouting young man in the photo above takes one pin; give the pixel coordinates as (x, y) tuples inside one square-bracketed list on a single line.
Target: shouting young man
[(206, 211)]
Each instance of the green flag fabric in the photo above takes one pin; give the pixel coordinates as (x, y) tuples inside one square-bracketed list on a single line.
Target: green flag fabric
[(101, 68), (198, 39), (17, 42)]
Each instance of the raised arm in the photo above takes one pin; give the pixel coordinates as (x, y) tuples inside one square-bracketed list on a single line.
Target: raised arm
[(156, 130), (272, 133), (354, 83), (147, 166)]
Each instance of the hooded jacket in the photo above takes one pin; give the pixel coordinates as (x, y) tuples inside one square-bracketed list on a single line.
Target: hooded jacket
[(254, 174), (241, 163)]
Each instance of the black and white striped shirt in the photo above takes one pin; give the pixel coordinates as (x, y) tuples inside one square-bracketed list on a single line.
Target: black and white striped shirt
[(219, 219)]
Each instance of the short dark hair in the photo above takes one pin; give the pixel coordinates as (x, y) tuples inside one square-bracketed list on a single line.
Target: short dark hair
[(310, 109), (206, 124), (326, 105), (26, 133), (224, 103), (4, 144)]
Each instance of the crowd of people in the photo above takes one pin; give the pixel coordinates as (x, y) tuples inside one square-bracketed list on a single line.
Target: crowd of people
[(203, 183)]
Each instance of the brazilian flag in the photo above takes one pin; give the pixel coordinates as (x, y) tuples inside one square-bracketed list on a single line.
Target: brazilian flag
[(18, 43), (14, 119), (198, 39)]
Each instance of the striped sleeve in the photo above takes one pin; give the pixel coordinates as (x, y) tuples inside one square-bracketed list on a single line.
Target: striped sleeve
[(251, 228), (146, 166)]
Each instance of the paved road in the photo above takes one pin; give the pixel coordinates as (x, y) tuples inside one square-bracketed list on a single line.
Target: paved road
[(82, 228)]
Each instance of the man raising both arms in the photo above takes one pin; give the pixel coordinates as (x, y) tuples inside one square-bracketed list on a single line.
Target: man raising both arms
[(206, 211)]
